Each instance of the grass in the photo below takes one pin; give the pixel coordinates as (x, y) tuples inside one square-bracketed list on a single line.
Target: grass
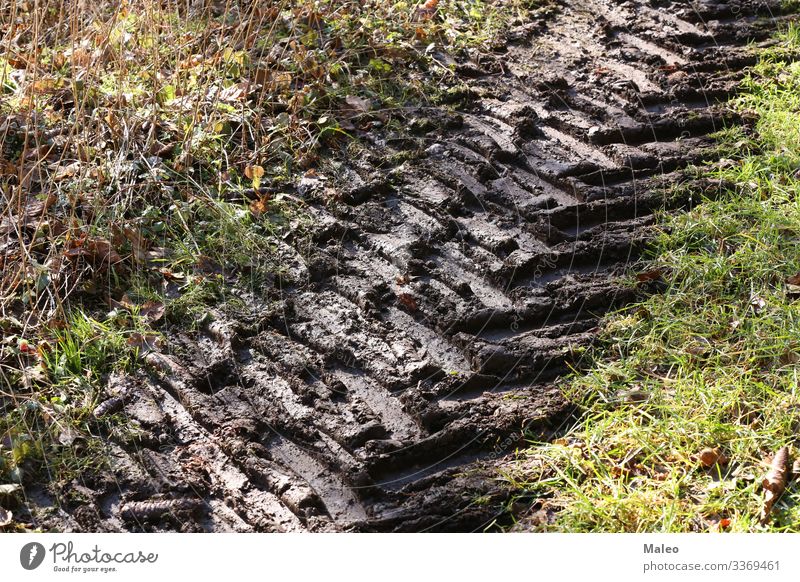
[(150, 158), (710, 363)]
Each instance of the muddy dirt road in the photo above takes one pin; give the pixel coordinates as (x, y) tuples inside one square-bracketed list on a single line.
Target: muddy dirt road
[(415, 341)]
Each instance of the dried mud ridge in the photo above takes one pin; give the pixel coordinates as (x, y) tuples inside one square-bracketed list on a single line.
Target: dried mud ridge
[(416, 340)]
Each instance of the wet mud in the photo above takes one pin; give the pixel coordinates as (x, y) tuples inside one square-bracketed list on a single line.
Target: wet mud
[(414, 341)]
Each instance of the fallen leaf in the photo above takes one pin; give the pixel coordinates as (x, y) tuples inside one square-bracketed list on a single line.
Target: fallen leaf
[(775, 482), (68, 171), (408, 301), (259, 206), (97, 251), (709, 457), (428, 9), (139, 245), (793, 291), (9, 489), (359, 104), (254, 173), (235, 92), (757, 303), (67, 436), (653, 275), (152, 310), (145, 343)]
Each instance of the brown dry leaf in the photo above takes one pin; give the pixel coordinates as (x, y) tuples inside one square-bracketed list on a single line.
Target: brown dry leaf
[(775, 482), (709, 457), (254, 173), (428, 9), (33, 212), (259, 206), (145, 343), (97, 251), (152, 310), (8, 490), (653, 275), (68, 171), (794, 279), (757, 303), (235, 92), (358, 104), (408, 301), (139, 244)]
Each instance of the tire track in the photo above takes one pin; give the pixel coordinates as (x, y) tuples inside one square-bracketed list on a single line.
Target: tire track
[(417, 339)]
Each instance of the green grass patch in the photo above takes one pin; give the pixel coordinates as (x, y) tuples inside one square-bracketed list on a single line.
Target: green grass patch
[(712, 363), (49, 428)]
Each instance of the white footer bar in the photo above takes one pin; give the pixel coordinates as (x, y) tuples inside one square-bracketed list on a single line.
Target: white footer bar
[(406, 557)]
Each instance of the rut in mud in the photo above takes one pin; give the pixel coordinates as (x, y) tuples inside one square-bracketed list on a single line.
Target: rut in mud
[(416, 340)]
